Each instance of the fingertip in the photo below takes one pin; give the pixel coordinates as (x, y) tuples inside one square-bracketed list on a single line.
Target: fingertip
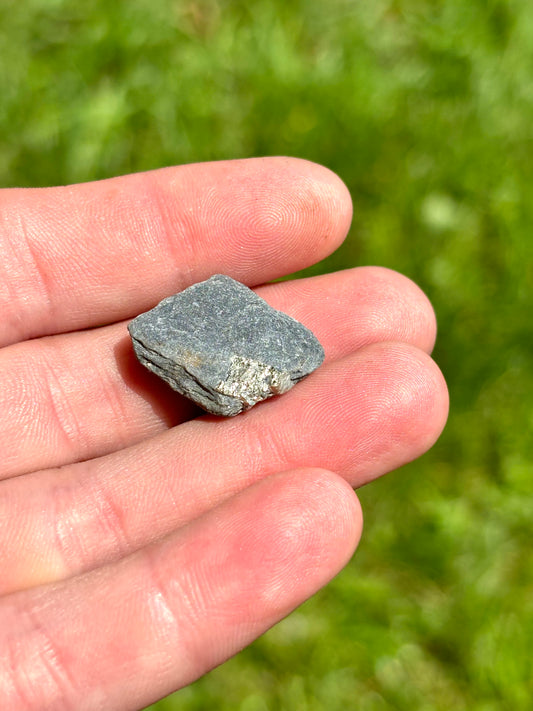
[(429, 389), (332, 190), (291, 210), (404, 302), (334, 498), (329, 203), (371, 412), (318, 512), (437, 403), (417, 399)]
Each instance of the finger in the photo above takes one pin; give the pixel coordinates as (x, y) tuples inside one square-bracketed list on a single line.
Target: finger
[(135, 631), (95, 253), (82, 395), (360, 417)]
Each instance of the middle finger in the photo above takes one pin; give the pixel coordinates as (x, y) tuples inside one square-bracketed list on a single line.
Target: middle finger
[(71, 397)]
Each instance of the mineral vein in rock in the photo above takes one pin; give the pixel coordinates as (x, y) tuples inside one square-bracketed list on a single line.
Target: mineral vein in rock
[(251, 381), (224, 347)]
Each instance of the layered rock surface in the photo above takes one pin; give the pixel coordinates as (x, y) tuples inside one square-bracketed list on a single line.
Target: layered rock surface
[(224, 347)]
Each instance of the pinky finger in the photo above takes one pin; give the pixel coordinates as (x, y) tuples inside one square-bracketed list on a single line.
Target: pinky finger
[(125, 635)]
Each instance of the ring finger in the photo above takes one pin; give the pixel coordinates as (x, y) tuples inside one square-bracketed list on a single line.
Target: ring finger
[(360, 416)]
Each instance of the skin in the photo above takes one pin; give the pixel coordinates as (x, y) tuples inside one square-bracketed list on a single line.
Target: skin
[(143, 543)]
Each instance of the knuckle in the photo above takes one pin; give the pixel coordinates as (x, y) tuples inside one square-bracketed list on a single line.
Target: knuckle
[(36, 675), (81, 518)]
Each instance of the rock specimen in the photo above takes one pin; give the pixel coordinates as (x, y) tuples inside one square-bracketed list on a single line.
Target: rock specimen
[(224, 347)]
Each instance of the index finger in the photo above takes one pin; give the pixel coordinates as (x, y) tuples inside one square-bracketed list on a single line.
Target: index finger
[(90, 254)]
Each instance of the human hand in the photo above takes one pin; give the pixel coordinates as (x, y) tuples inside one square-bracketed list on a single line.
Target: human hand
[(143, 544)]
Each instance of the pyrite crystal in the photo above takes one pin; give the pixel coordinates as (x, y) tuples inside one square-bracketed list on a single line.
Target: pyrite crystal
[(223, 346)]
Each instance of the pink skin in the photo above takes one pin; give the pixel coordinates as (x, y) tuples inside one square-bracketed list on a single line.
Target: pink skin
[(168, 541)]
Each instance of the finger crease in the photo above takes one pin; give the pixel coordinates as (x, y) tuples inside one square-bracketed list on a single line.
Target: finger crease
[(61, 411), (115, 403), (177, 237), (45, 673), (157, 588), (38, 270), (112, 519), (183, 627), (266, 450), (12, 682)]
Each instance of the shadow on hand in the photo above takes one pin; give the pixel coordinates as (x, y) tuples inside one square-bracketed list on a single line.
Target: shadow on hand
[(169, 406)]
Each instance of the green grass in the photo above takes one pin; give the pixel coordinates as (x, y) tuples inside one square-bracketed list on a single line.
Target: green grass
[(425, 109)]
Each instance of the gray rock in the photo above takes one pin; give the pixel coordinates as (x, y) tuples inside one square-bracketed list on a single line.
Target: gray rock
[(224, 347)]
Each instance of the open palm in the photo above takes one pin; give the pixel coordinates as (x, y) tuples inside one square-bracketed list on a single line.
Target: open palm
[(141, 542)]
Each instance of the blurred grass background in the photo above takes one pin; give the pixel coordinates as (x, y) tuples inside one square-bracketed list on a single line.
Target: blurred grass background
[(425, 109)]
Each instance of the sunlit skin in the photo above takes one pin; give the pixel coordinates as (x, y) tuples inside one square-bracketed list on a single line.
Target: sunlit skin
[(143, 543)]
